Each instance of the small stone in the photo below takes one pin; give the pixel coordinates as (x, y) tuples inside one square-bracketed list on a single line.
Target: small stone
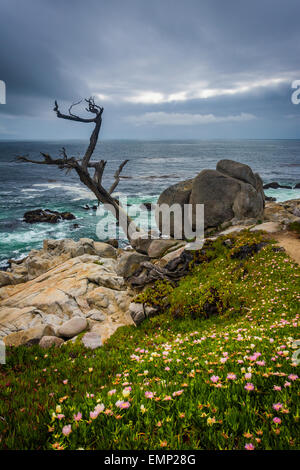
[(72, 327), (47, 342), (96, 315), (137, 312), (150, 311), (91, 340)]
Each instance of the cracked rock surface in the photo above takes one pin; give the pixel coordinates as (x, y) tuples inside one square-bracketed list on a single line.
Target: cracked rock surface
[(85, 286)]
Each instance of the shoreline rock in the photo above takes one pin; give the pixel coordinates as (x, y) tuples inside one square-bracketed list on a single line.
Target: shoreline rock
[(46, 215)]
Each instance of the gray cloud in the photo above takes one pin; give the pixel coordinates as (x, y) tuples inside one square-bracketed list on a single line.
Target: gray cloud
[(169, 60)]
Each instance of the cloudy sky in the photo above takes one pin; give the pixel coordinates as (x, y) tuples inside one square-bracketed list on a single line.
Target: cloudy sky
[(162, 69)]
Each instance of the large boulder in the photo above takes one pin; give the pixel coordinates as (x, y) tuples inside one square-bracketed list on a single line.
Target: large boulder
[(177, 194), (217, 192), (232, 191), (237, 170)]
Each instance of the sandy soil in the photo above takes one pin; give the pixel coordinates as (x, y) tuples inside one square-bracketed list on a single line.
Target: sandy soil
[(290, 242)]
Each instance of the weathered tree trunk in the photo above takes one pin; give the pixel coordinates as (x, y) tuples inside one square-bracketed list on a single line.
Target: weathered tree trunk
[(82, 167)]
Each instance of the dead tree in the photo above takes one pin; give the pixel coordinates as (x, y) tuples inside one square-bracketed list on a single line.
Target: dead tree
[(85, 165)]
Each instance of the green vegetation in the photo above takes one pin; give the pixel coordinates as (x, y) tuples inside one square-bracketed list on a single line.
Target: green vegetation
[(295, 227), (216, 370)]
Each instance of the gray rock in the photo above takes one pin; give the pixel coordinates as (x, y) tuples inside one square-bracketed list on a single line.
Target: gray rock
[(158, 248), (231, 191), (105, 250), (177, 194), (29, 336), (237, 170), (129, 263), (137, 312), (150, 311), (5, 278), (47, 342), (224, 198), (91, 340), (96, 315), (217, 192), (248, 203), (72, 327), (141, 244)]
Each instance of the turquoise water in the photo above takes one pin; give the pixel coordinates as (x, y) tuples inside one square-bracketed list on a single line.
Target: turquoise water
[(153, 166)]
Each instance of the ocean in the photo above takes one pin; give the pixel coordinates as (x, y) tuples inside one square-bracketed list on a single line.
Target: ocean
[(152, 167)]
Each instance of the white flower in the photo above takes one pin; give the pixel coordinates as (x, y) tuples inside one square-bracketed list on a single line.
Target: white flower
[(99, 408)]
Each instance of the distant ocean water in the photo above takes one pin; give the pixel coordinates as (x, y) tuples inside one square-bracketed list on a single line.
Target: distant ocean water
[(153, 166)]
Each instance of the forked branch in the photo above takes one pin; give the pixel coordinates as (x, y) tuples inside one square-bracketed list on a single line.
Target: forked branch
[(94, 183)]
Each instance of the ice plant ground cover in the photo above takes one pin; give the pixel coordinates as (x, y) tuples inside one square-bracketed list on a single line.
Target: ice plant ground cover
[(178, 381)]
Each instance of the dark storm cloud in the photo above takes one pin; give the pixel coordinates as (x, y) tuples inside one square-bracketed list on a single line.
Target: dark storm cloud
[(233, 58)]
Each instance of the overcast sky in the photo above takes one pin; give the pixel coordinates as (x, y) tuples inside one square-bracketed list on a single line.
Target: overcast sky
[(161, 68)]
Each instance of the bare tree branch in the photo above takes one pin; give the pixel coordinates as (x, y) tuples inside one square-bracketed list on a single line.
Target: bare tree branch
[(94, 183), (117, 176)]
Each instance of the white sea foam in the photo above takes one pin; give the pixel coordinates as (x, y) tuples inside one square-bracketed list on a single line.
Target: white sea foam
[(81, 192), (283, 194)]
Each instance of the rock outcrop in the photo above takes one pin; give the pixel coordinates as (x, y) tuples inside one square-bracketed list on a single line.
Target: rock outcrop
[(232, 191), (87, 287), (275, 185), (54, 252), (283, 212), (47, 215)]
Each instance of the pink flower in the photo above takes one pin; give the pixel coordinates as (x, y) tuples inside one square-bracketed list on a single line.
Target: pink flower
[(260, 363), (60, 416), (178, 393), (249, 387), (277, 406), (248, 375), (167, 368), (77, 417), (249, 446), (124, 405), (65, 381), (276, 420), (94, 414), (66, 430), (167, 398), (277, 388), (293, 377), (231, 376), (149, 395), (112, 392), (214, 378), (287, 384)]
